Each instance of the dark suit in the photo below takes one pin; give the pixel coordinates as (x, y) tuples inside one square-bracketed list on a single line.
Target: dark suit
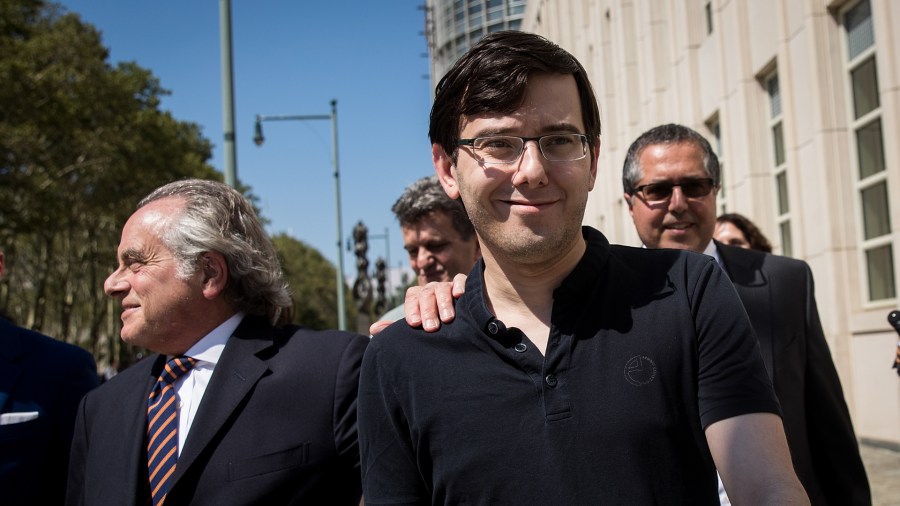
[(39, 375), (779, 297), (276, 425)]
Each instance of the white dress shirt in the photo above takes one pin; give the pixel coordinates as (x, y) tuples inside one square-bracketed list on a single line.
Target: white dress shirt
[(191, 387)]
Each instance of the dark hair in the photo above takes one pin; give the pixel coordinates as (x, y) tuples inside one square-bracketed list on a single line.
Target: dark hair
[(426, 196), (751, 232), (492, 77), (666, 134), (217, 218)]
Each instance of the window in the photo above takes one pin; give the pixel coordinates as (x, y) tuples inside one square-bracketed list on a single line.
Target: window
[(873, 194), (779, 163), (716, 142)]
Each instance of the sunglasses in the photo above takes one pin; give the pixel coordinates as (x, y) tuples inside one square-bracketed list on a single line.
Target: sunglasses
[(656, 193)]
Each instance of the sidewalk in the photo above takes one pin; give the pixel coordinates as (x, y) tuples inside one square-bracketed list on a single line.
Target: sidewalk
[(883, 468)]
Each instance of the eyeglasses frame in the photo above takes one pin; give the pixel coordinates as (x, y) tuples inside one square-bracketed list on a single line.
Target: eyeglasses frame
[(584, 145)]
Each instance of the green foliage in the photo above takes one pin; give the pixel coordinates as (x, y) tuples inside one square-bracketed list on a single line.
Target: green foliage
[(82, 142), (312, 281)]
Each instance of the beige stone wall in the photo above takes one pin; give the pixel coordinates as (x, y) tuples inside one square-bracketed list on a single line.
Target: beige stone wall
[(653, 61)]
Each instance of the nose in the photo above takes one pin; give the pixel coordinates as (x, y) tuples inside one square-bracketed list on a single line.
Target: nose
[(423, 258), (115, 284), (677, 202), (532, 166)]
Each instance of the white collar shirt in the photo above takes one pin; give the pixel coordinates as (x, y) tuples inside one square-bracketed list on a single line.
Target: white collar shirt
[(191, 387)]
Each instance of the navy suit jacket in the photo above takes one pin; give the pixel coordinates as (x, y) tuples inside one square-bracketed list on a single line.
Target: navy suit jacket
[(39, 375), (277, 425), (779, 297)]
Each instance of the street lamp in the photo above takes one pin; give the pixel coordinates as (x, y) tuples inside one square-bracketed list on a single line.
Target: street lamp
[(259, 139)]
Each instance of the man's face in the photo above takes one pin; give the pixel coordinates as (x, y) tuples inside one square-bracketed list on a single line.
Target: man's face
[(436, 250), (158, 308), (529, 210), (679, 222)]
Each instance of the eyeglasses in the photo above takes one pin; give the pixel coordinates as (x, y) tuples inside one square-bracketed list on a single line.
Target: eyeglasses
[(508, 148), (657, 193)]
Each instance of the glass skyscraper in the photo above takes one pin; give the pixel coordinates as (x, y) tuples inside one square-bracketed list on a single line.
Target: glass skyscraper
[(453, 26)]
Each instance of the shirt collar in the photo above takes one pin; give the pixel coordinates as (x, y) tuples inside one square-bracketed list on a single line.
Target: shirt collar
[(210, 347), (712, 251)]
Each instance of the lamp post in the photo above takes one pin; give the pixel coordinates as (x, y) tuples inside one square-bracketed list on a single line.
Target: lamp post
[(259, 139)]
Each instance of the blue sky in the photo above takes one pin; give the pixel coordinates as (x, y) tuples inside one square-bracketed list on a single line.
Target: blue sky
[(293, 58)]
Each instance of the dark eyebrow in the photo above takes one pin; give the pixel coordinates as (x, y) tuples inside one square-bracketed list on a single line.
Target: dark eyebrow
[(547, 130)]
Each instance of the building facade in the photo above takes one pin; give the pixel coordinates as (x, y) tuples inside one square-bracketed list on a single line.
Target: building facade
[(453, 26), (801, 99)]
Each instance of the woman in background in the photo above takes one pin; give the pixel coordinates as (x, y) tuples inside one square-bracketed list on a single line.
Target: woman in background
[(736, 230)]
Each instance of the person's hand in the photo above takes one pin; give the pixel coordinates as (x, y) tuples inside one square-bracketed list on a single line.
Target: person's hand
[(430, 305)]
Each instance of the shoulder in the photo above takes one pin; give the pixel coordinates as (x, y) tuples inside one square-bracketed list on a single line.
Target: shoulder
[(326, 351), (122, 385), (399, 343), (302, 337), (741, 259), (662, 269), (51, 352)]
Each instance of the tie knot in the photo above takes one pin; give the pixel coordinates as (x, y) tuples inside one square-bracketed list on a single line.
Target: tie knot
[(176, 367)]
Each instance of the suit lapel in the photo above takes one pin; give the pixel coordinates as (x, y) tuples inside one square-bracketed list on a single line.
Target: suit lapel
[(744, 267), (238, 370)]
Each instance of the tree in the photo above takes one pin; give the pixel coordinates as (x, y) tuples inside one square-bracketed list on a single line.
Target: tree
[(81, 143), (312, 282)]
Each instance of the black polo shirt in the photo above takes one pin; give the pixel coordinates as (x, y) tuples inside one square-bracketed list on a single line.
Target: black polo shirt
[(646, 349)]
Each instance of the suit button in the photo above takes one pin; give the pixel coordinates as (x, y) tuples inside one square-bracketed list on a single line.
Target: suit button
[(520, 347), (551, 380)]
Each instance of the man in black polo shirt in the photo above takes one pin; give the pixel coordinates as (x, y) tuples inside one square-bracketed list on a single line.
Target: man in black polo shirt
[(575, 372)]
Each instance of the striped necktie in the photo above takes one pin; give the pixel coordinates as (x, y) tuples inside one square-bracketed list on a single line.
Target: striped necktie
[(162, 427)]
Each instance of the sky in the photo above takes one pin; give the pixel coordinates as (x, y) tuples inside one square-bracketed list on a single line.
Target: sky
[(293, 58)]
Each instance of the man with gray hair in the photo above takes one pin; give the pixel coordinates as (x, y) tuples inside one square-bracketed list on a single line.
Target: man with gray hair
[(437, 235), (237, 407)]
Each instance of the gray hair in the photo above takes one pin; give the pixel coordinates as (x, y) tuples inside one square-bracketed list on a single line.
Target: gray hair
[(666, 134), (426, 196), (217, 218)]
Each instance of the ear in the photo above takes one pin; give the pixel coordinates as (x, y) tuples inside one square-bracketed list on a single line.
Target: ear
[(594, 161), (443, 167), (214, 270), (629, 199)]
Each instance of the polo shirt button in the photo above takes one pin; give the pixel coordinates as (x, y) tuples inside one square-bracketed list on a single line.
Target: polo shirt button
[(551, 380), (495, 327), (520, 347)]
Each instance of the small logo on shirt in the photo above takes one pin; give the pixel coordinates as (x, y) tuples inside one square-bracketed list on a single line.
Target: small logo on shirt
[(640, 370)]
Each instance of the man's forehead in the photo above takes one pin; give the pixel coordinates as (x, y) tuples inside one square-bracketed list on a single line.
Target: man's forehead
[(435, 219), (672, 158), (551, 103)]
